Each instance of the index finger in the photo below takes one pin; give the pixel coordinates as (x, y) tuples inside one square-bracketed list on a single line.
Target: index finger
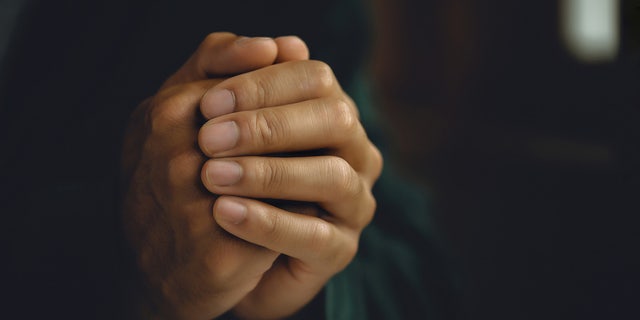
[(275, 85), (224, 53)]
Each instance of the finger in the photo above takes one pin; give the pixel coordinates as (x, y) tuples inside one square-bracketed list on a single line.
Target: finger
[(224, 53), (280, 84), (326, 180), (224, 256), (328, 123), (296, 287), (228, 258), (291, 48), (312, 124), (303, 237)]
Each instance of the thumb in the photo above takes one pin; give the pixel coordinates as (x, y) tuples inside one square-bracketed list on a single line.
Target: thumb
[(224, 53), (291, 48)]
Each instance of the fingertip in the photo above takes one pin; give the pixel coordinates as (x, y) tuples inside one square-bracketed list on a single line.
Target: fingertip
[(259, 51), (217, 102), (229, 211), (291, 48), (214, 138), (225, 53)]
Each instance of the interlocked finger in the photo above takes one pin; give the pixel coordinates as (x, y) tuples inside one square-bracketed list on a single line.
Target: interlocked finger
[(326, 180)]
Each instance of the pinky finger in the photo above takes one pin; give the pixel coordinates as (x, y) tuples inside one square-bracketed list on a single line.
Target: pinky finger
[(307, 238)]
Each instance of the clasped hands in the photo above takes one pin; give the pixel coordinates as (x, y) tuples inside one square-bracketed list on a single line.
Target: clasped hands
[(200, 159)]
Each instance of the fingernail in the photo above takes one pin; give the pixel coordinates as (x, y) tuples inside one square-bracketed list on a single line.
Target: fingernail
[(248, 40), (223, 172), (230, 211), (219, 137), (290, 37), (217, 102)]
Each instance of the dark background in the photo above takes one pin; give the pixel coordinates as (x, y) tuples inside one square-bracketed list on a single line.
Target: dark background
[(71, 73), (532, 155)]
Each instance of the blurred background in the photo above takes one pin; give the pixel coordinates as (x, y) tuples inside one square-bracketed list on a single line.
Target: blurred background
[(520, 119), (523, 120)]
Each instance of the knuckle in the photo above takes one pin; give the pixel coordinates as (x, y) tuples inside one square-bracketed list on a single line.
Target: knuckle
[(210, 39), (218, 270), (253, 91), (182, 169), (213, 38), (321, 235), (170, 109), (270, 175), (342, 252), (161, 118), (345, 179), (363, 210), (273, 225), (268, 128), (321, 75), (202, 54), (262, 89), (344, 117), (368, 210)]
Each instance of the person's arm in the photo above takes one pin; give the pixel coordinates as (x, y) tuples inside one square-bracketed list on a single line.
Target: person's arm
[(260, 260), (155, 194)]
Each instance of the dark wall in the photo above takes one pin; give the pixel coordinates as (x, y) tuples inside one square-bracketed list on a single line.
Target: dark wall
[(71, 74), (532, 155)]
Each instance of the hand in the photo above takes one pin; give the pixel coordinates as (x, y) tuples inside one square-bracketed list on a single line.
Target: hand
[(284, 108), (191, 268)]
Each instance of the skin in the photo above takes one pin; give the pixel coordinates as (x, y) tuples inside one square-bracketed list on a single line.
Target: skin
[(200, 155)]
